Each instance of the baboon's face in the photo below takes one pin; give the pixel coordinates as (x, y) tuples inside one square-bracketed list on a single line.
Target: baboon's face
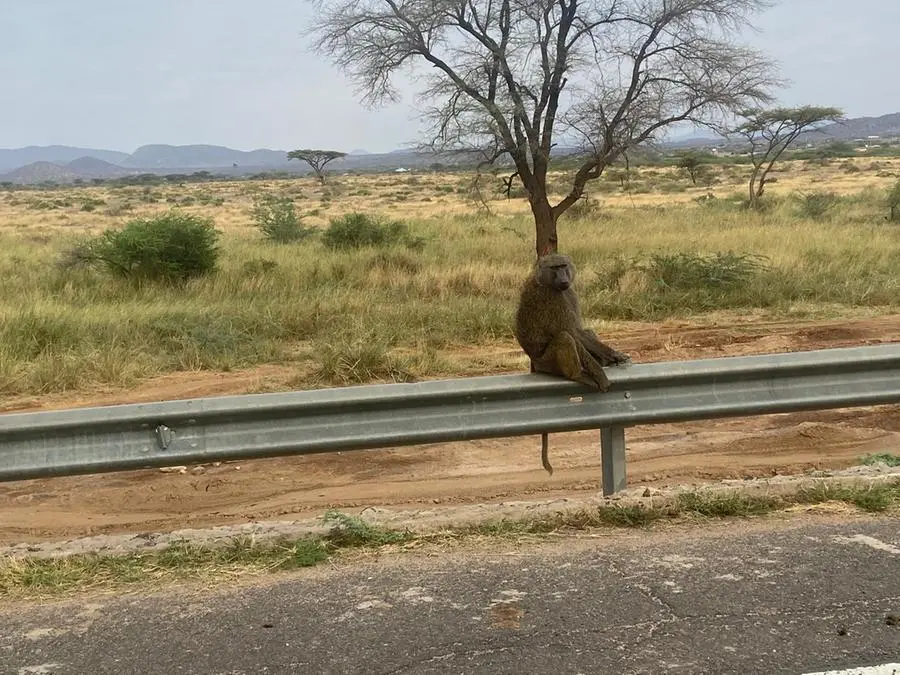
[(557, 271)]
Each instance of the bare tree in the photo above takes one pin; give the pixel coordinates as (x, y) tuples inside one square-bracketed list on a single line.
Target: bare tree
[(771, 132), (507, 76), (317, 159)]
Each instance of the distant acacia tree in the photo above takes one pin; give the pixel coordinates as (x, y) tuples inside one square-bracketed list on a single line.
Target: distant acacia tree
[(692, 163), (508, 77), (771, 132), (317, 159)]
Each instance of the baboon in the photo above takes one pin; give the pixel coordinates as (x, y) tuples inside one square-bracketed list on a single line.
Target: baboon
[(550, 331)]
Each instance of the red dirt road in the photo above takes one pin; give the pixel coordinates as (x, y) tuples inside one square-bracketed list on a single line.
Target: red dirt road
[(470, 472)]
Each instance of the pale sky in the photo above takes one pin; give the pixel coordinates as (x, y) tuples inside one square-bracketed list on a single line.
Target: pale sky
[(118, 74)]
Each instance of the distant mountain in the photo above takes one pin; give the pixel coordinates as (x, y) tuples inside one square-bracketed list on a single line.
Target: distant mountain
[(60, 163), (689, 138), (39, 172), (57, 154), (693, 141), (201, 157), (885, 126), (189, 158), (169, 159), (91, 167)]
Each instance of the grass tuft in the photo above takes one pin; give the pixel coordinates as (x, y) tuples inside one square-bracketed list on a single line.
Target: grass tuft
[(358, 361), (886, 458), (353, 532), (725, 505), (629, 516), (875, 498)]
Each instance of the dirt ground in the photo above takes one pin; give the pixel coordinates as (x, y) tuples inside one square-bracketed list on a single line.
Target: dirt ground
[(457, 473)]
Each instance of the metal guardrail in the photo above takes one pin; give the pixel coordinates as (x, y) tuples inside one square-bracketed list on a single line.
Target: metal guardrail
[(123, 437)]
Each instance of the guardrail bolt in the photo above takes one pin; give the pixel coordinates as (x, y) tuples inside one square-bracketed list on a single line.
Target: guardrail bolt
[(164, 436)]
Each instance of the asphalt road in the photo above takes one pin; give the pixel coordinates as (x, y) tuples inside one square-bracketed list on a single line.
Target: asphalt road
[(742, 598)]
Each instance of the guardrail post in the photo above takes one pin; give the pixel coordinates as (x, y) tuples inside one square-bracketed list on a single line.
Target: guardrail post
[(612, 458)]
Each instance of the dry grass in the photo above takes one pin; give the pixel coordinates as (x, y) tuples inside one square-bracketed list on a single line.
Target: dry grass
[(396, 313), (416, 197)]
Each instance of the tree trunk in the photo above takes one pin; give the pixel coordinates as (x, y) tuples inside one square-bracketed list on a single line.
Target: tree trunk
[(761, 185), (753, 177), (544, 222)]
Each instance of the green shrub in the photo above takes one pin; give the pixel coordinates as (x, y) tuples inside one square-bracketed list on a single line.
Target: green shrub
[(90, 204), (688, 271), (358, 230), (209, 199), (117, 208), (360, 360), (278, 220), (172, 247), (816, 205), (893, 202)]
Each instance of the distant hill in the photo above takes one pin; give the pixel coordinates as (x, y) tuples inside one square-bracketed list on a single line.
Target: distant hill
[(885, 126), (692, 141), (91, 167), (201, 157), (57, 154), (167, 159), (39, 172), (60, 163)]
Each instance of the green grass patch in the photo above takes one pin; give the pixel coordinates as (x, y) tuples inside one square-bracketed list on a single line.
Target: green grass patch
[(184, 560), (353, 532), (885, 458), (726, 504), (358, 361), (631, 516), (30, 576), (180, 561), (876, 498)]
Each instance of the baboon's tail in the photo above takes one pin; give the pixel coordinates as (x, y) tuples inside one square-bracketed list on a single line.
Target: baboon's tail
[(545, 448), (545, 441)]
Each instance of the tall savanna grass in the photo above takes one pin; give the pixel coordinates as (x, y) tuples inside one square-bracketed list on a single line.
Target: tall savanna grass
[(388, 313)]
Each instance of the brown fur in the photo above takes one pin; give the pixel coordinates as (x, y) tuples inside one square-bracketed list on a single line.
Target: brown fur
[(550, 331)]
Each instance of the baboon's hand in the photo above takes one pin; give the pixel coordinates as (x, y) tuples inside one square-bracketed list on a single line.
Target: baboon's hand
[(618, 359), (605, 355)]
